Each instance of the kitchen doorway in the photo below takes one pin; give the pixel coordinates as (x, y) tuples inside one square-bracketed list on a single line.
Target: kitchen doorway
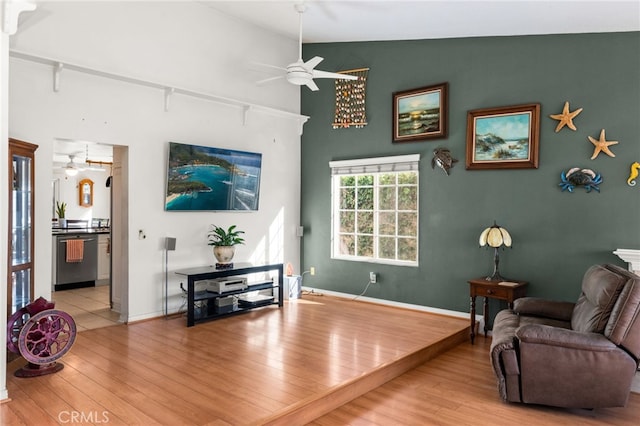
[(89, 306), (102, 305)]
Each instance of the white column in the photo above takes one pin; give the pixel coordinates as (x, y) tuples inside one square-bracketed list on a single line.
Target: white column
[(10, 10), (632, 257), (4, 197)]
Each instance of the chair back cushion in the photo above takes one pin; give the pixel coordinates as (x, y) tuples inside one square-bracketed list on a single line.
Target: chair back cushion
[(601, 287), (623, 327)]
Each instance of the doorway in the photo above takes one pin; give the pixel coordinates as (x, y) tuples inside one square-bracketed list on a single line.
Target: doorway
[(100, 305)]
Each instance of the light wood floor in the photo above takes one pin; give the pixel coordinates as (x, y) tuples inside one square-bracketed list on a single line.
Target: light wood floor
[(459, 388), (251, 368), (88, 306)]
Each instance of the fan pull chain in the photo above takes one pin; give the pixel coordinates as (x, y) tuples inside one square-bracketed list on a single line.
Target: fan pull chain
[(350, 100)]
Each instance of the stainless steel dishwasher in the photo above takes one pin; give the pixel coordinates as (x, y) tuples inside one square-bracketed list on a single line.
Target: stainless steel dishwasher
[(76, 274)]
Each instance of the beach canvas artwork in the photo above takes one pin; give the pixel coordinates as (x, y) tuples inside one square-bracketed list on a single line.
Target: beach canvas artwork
[(502, 137), (207, 178), (420, 113)]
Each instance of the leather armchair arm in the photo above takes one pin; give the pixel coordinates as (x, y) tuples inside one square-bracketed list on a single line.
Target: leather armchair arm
[(554, 336), (543, 308)]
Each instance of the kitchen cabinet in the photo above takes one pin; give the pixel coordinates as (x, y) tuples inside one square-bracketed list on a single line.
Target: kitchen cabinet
[(21, 224), (104, 256)]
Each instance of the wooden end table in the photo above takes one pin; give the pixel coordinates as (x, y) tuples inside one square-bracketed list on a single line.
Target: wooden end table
[(494, 290)]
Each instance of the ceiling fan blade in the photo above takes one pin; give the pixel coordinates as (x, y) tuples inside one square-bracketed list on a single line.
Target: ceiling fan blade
[(312, 85), (313, 62), (266, 80), (336, 75), (275, 67)]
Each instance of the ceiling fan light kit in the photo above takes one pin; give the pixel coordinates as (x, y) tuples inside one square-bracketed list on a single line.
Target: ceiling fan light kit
[(70, 171)]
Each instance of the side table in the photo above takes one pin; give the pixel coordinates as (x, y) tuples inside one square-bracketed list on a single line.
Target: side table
[(501, 290)]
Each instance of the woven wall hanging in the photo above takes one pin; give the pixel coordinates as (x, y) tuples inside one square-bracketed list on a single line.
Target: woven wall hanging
[(350, 100)]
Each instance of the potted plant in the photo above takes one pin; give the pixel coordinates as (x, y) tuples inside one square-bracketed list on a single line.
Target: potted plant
[(223, 242), (61, 208)]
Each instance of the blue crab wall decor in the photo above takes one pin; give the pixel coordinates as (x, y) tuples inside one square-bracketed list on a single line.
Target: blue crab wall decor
[(580, 177)]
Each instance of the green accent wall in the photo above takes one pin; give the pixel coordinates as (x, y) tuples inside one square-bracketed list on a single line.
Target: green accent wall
[(557, 235)]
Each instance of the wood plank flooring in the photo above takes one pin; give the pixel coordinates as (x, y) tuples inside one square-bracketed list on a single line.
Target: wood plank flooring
[(459, 388), (281, 366)]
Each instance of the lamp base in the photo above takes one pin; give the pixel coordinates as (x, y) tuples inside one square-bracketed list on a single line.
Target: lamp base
[(495, 277), (496, 261)]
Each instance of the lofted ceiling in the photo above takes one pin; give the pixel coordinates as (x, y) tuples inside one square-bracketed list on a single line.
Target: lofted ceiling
[(329, 21)]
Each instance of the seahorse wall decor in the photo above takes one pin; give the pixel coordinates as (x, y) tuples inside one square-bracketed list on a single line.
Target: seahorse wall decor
[(635, 167)]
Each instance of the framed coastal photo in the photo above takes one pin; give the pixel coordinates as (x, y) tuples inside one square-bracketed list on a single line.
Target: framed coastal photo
[(420, 114), (503, 138), (205, 178)]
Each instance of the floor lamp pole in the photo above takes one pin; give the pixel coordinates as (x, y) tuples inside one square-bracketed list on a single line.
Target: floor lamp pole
[(169, 245)]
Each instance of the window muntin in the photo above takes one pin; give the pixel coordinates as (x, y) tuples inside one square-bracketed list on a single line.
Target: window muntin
[(376, 216)]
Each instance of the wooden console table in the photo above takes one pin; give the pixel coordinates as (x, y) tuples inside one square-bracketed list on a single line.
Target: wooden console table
[(210, 272), (493, 290)]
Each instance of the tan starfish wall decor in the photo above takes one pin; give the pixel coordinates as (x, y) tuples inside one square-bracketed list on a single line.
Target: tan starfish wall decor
[(566, 118), (602, 145)]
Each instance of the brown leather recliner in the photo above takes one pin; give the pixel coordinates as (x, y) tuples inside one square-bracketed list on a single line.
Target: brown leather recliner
[(574, 355)]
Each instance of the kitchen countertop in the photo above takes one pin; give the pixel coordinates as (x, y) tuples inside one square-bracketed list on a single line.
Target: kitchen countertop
[(72, 231)]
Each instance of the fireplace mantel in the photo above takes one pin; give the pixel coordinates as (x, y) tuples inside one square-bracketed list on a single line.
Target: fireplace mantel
[(630, 256)]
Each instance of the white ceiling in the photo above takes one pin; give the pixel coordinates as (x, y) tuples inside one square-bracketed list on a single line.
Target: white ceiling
[(80, 150), (327, 21)]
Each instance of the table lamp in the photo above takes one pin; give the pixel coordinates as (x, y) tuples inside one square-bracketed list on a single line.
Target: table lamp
[(496, 237)]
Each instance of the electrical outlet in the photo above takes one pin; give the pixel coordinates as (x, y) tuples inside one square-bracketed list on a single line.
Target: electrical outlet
[(312, 270), (373, 277)]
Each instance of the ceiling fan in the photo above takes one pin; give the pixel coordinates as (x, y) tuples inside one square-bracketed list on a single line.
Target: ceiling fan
[(71, 168), (300, 72)]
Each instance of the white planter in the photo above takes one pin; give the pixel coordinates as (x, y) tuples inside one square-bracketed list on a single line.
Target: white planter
[(224, 254)]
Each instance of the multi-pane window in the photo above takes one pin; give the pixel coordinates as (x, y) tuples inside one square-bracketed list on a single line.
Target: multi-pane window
[(375, 210)]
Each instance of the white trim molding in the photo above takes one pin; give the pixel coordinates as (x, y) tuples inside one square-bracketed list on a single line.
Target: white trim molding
[(632, 257), (11, 10)]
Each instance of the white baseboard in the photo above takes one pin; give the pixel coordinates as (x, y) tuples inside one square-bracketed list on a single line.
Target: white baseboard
[(397, 304)]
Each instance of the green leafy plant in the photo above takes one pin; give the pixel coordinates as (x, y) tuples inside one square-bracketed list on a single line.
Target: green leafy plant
[(61, 208), (220, 237)]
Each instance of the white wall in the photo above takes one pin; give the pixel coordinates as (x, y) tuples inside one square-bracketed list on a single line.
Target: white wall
[(68, 193), (186, 45)]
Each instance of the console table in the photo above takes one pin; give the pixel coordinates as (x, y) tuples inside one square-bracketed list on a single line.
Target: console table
[(506, 290), (210, 272)]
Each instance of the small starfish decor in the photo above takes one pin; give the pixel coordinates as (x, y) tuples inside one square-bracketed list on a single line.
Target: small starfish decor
[(566, 118), (602, 145)]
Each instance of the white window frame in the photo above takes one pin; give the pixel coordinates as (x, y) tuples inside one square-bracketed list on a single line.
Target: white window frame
[(376, 166)]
